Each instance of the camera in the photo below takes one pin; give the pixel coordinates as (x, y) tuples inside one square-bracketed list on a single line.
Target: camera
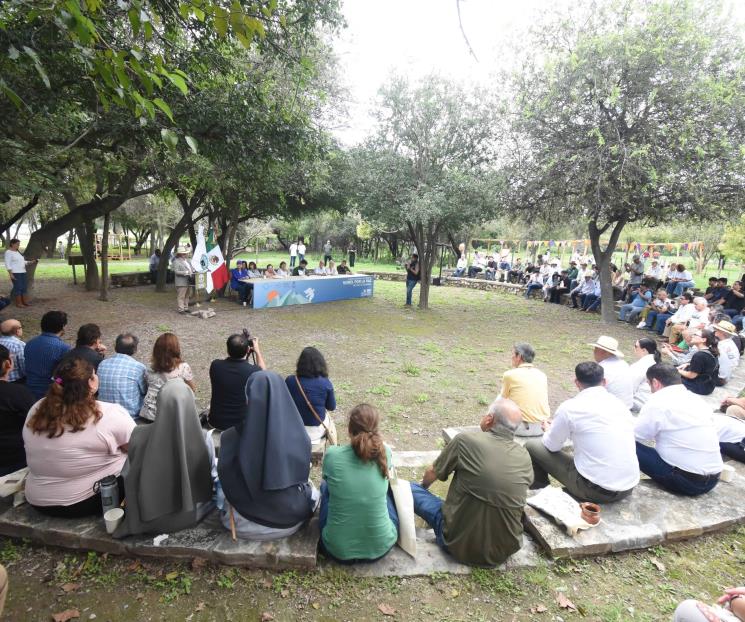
[(248, 337)]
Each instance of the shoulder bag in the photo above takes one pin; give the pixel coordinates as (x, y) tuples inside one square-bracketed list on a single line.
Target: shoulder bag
[(330, 430)]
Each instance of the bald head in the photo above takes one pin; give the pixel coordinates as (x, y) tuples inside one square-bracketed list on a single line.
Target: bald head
[(10, 327), (502, 413)]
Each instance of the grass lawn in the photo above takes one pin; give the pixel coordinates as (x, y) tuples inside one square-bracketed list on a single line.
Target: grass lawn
[(424, 371)]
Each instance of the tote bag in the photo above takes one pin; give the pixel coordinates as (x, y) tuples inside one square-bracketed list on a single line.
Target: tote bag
[(404, 501)]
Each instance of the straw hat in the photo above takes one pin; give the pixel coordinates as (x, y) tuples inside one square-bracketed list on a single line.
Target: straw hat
[(725, 327), (608, 344), (182, 250)]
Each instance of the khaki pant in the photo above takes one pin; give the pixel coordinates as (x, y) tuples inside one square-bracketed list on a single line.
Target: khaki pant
[(3, 588), (676, 333), (182, 297), (736, 411)]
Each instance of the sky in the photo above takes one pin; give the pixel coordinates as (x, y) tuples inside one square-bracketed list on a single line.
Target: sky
[(414, 38)]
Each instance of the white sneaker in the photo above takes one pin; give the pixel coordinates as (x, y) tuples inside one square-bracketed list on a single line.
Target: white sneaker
[(641, 324)]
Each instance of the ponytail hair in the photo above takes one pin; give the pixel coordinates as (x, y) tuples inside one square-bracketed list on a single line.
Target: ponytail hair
[(650, 346), (365, 437), (711, 341)]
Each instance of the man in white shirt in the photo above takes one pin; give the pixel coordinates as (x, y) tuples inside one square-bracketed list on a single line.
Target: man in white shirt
[(603, 468), (680, 280), (694, 316), (301, 249), (729, 353), (619, 380), (654, 273), (293, 254), (460, 267), (731, 432), (685, 458), (584, 289), (16, 264)]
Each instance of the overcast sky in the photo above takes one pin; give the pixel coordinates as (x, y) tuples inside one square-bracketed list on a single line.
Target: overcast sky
[(416, 37)]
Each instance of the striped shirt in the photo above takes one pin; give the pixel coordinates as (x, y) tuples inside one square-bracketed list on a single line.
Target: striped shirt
[(122, 381), (16, 348)]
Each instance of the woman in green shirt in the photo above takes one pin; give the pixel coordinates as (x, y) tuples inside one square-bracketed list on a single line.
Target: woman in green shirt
[(358, 518)]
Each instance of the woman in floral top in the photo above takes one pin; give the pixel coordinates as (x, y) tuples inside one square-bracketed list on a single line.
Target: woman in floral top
[(166, 365)]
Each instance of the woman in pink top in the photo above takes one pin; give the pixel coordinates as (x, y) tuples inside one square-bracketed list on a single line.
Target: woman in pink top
[(73, 441)]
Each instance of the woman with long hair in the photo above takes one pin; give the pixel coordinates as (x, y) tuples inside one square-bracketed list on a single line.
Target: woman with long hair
[(647, 355), (313, 393), (73, 441), (701, 372), (165, 365), (358, 519)]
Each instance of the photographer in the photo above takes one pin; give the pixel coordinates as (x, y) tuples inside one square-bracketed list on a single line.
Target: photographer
[(228, 379)]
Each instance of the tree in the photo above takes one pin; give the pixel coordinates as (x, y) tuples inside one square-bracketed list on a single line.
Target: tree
[(632, 114), (427, 166), (733, 242)]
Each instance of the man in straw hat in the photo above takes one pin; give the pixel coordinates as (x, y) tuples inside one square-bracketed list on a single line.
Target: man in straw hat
[(603, 467), (618, 377), (183, 271), (729, 353)]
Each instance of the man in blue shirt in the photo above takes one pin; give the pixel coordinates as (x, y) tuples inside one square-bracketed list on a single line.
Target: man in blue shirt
[(629, 312), (121, 378), (45, 351)]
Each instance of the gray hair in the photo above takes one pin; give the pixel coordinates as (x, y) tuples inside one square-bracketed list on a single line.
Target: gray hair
[(700, 300), (525, 351), (497, 410)]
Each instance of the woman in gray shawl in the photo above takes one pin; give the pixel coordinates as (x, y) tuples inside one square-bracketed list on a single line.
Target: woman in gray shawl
[(264, 464), (170, 468)]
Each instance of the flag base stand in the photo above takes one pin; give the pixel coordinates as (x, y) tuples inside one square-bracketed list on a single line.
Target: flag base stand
[(204, 314)]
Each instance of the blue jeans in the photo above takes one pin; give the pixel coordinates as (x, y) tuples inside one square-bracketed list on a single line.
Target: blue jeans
[(300, 257), (625, 310), (680, 286), (459, 272), (429, 507), (19, 284), (323, 517), (736, 451), (671, 477), (532, 287), (659, 324), (292, 260), (410, 285)]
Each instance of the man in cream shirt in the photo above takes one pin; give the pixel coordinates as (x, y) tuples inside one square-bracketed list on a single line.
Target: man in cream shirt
[(527, 386), (619, 380)]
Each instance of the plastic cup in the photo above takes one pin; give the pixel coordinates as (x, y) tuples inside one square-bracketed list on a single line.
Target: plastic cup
[(113, 519), (728, 473)]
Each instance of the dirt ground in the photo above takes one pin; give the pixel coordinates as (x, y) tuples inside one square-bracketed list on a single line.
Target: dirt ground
[(424, 371)]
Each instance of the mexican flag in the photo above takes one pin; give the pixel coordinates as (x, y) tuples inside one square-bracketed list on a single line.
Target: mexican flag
[(210, 261)]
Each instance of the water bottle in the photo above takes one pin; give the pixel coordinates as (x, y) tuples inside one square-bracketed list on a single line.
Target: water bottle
[(108, 487)]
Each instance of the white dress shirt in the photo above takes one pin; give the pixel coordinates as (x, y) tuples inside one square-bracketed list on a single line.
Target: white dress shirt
[(729, 358), (683, 314), (682, 427), (14, 261), (618, 379), (654, 272), (638, 370), (729, 429), (602, 432)]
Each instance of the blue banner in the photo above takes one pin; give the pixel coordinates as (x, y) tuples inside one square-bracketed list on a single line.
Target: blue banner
[(301, 290)]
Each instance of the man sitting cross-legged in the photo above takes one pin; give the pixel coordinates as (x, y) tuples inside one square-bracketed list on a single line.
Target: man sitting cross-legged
[(480, 521), (527, 386), (604, 468), (685, 458)]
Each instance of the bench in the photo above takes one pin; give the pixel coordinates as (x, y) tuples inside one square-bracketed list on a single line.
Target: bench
[(130, 279)]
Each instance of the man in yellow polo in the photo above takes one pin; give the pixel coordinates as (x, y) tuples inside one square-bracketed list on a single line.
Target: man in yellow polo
[(527, 386)]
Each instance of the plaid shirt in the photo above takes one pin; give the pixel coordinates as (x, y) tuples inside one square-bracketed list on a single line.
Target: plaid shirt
[(16, 348), (122, 381)]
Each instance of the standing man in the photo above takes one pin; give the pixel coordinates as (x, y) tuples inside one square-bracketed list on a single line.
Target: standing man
[(352, 255), (412, 276), (11, 332), (480, 521), (293, 254), (327, 252), (636, 275), (527, 386), (183, 271), (301, 248), (16, 264), (61, 249), (153, 265), (45, 351)]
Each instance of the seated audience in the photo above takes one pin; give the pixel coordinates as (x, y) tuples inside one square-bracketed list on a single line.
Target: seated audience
[(11, 332), (516, 274), (477, 265), (313, 393), (269, 272), (331, 270), (713, 286), (282, 270), (654, 275), (236, 283), (618, 378), (121, 378), (580, 278), (43, 352), (263, 468), (729, 353), (593, 300), (680, 356), (503, 267), (698, 317), (630, 311), (731, 431), (535, 282), (165, 365), (73, 441), (657, 318), (343, 267), (321, 269), (527, 386), (601, 470), (730, 607), (15, 402), (681, 316), (658, 304), (461, 265), (719, 293), (733, 303), (685, 458), (88, 345), (701, 372), (680, 280), (490, 271), (582, 291), (253, 271), (171, 469), (301, 269), (357, 518), (647, 355), (228, 378), (559, 287), (480, 521)]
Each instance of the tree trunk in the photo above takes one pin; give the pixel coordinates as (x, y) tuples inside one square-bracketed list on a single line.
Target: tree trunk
[(603, 259), (87, 236), (105, 259)]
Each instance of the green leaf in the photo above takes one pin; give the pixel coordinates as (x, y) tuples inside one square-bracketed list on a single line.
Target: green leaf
[(39, 68), (11, 94), (134, 20), (169, 137), (193, 144), (148, 31), (13, 53), (166, 109), (179, 82)]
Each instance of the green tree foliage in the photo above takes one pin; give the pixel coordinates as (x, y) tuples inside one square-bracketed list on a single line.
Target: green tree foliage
[(733, 242), (631, 114), (427, 167)]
